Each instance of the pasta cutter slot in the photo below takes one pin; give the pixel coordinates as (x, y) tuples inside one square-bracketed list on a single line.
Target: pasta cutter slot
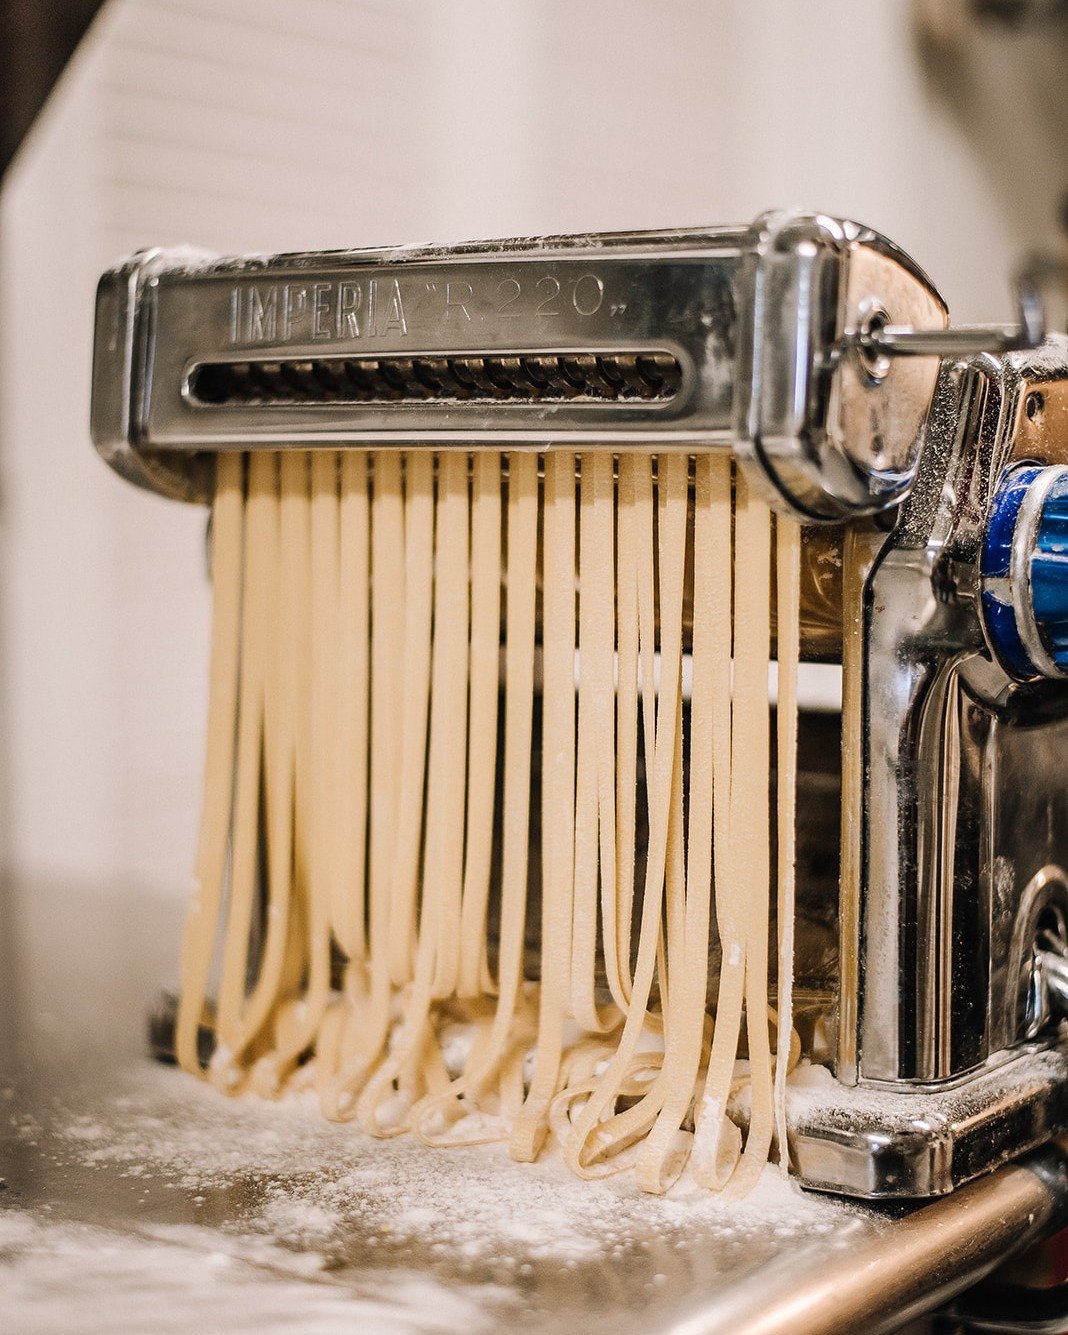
[(652, 375)]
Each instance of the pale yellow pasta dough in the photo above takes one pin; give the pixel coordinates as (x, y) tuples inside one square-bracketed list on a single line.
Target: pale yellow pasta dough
[(488, 814)]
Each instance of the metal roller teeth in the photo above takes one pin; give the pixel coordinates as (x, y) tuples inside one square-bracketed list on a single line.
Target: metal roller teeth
[(466, 388), (301, 379), (659, 370), (612, 376), (432, 373), (626, 368), (359, 376), (505, 377), (536, 372), (396, 376), (506, 373), (266, 377), (401, 374), (484, 380), (580, 373), (327, 376)]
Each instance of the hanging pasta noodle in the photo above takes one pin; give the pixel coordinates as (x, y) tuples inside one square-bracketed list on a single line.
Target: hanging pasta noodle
[(376, 933)]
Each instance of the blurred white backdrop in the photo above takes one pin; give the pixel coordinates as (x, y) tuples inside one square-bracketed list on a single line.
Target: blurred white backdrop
[(268, 125)]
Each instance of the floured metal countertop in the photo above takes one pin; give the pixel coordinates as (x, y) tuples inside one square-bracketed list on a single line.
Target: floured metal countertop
[(136, 1198)]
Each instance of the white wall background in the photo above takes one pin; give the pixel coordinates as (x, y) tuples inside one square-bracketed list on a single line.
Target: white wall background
[(264, 124)]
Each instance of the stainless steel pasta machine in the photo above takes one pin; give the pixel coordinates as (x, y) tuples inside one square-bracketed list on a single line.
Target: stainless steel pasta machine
[(930, 466)]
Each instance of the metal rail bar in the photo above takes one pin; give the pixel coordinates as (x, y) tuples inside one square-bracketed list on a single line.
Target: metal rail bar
[(917, 1264)]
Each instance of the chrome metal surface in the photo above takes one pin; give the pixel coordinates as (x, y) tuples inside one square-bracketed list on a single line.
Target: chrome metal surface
[(925, 1259), (832, 437), (1042, 983), (118, 388), (876, 1143), (883, 339), (1052, 974), (663, 340), (964, 832)]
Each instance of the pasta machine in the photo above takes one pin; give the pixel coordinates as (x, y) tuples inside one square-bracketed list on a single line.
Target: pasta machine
[(930, 467)]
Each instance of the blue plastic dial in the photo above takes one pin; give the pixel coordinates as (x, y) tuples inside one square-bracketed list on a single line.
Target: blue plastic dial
[(1049, 574), (1029, 582)]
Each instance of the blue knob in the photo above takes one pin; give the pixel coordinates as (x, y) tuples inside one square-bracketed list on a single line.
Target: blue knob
[(1025, 572)]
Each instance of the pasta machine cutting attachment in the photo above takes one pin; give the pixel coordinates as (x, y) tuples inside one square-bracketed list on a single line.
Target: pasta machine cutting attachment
[(930, 468)]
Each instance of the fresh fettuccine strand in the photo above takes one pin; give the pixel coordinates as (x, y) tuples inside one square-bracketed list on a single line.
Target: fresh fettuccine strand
[(414, 670), (595, 850), (446, 779), (353, 679), (205, 904), (750, 815), (557, 798), (386, 648), (484, 671), (788, 635), (232, 1035)]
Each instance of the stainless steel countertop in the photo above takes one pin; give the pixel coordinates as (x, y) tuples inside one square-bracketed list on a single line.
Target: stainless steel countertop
[(136, 1198)]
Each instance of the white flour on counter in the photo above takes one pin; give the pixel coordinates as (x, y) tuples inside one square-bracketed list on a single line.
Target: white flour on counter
[(84, 1280), (316, 1178), (238, 1214)]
